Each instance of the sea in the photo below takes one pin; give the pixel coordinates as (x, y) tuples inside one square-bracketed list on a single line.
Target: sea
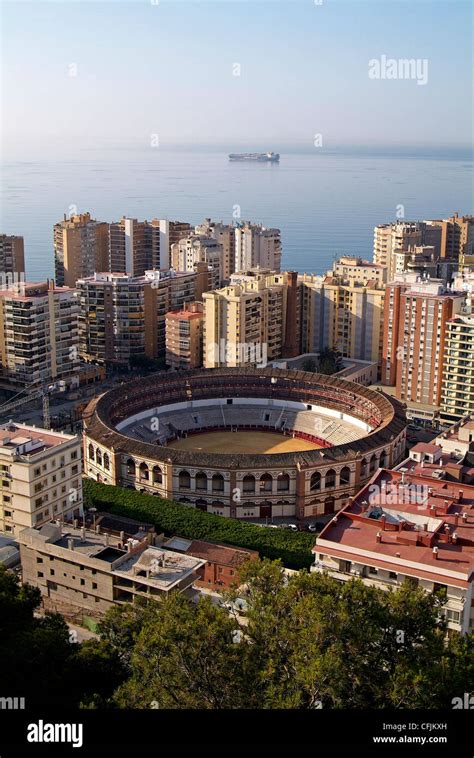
[(325, 202)]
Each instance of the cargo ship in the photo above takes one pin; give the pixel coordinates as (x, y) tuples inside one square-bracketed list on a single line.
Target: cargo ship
[(272, 157)]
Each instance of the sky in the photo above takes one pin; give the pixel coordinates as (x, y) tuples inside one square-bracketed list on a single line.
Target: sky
[(126, 73)]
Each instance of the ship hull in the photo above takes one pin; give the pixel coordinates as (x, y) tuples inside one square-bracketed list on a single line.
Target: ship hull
[(256, 157)]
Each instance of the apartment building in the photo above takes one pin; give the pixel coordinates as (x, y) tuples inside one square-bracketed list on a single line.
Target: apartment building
[(457, 239), (80, 248), (184, 336), (40, 477), (194, 249), (457, 388), (122, 317), (111, 318), (224, 234), (393, 241), (344, 309), (38, 333), (255, 245), (416, 315), (137, 246), (253, 320), (81, 569), (402, 527), (12, 257)]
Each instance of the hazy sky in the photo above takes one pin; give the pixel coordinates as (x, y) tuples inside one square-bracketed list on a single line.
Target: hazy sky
[(167, 69)]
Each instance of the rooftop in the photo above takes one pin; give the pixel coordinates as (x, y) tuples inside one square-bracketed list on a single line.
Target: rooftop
[(226, 555), (133, 559), (417, 524), (21, 439)]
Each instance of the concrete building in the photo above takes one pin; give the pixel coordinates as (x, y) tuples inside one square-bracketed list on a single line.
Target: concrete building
[(457, 239), (416, 315), (12, 257), (78, 568), (458, 439), (255, 245), (137, 246), (194, 249), (401, 527), (184, 337), (38, 333), (111, 318), (344, 310), (167, 291), (393, 241), (222, 562), (224, 234), (80, 248), (457, 389), (40, 477), (251, 321), (122, 317)]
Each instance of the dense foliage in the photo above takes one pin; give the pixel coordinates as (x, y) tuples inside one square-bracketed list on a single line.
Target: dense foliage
[(307, 642), (330, 361), (293, 548), (40, 661)]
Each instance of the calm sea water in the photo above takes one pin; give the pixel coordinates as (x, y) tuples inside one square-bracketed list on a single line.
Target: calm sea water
[(325, 204)]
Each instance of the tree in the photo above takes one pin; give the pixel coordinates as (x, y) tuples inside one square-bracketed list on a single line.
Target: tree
[(309, 364), (330, 361), (39, 661), (306, 641), (185, 656)]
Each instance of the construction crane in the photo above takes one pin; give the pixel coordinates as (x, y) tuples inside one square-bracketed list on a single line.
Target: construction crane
[(43, 392)]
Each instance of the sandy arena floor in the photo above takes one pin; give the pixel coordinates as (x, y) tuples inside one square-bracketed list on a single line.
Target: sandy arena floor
[(242, 442)]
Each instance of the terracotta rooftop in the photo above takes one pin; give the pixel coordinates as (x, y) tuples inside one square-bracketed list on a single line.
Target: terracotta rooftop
[(28, 440), (411, 523)]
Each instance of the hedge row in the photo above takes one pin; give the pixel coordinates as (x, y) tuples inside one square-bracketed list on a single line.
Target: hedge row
[(292, 548)]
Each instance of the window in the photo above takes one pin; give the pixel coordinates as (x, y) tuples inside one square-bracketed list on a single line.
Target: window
[(94, 585), (39, 560), (74, 455), (83, 581), (373, 570), (51, 571), (283, 483), (453, 616), (184, 480), (315, 484), (40, 575), (201, 481), (8, 514), (248, 483), (392, 575)]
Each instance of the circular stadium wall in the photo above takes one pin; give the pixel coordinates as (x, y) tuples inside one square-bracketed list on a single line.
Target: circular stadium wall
[(329, 436)]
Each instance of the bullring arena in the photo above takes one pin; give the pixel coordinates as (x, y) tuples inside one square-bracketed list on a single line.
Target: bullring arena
[(244, 443)]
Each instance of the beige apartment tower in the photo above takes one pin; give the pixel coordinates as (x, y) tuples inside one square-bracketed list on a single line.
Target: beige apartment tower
[(38, 333), (12, 258), (251, 321), (344, 309), (80, 248), (40, 477)]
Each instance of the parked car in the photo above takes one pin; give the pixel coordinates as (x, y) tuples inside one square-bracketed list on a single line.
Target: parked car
[(293, 527)]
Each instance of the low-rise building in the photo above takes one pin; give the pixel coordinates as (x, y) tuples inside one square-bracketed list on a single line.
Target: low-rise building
[(221, 562), (406, 527), (40, 477), (79, 568)]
